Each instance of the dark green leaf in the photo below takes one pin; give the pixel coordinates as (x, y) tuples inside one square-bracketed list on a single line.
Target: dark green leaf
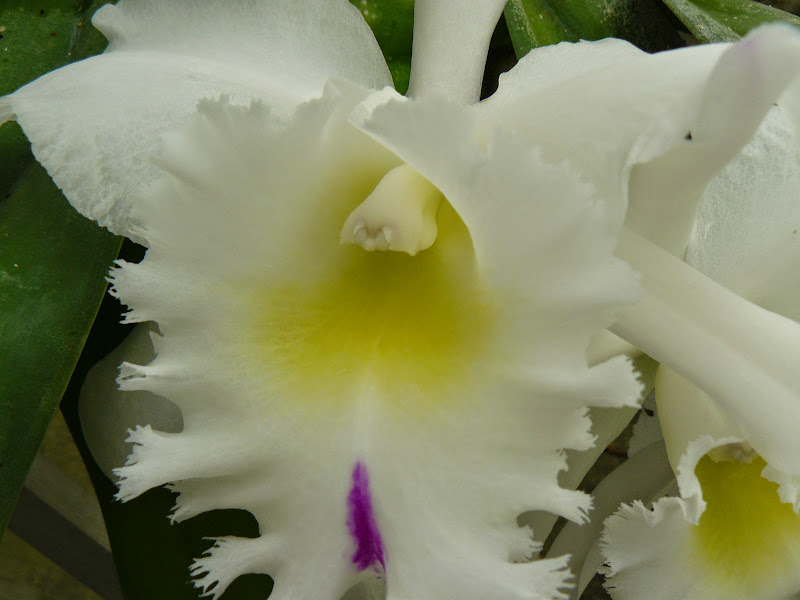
[(392, 22), (53, 262), (725, 20), (536, 23)]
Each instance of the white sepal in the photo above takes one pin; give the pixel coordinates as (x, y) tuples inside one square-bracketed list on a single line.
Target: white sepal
[(161, 60), (746, 235), (741, 355), (451, 40), (724, 113)]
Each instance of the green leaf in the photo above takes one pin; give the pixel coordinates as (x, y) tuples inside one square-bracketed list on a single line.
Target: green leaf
[(53, 264), (53, 261), (536, 23), (725, 20), (392, 22)]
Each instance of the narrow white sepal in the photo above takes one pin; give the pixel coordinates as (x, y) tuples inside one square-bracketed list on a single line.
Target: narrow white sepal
[(738, 353), (451, 41)]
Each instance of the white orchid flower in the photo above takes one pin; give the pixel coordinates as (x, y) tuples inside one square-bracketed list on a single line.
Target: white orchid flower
[(734, 532), (384, 412)]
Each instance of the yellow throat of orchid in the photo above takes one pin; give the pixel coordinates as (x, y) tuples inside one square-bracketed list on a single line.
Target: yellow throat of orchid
[(747, 540), (406, 326)]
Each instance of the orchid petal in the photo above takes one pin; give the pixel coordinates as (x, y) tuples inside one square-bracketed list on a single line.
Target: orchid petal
[(482, 161), (745, 235), (743, 86), (591, 103), (163, 58), (107, 413), (738, 353), (451, 40)]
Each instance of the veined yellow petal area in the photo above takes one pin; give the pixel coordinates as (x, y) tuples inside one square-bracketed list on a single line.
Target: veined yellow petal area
[(747, 539), (407, 329)]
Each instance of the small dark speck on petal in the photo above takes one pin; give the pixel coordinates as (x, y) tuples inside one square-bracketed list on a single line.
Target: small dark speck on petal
[(688, 137)]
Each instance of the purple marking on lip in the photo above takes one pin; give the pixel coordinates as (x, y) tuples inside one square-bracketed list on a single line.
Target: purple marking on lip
[(361, 521)]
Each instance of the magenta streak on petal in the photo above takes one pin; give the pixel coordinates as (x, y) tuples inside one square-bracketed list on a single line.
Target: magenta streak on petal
[(361, 521)]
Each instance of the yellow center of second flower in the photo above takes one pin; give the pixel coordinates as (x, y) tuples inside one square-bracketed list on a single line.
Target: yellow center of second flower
[(747, 540)]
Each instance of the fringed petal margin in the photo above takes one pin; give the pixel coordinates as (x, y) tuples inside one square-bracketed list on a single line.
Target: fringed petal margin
[(727, 536)]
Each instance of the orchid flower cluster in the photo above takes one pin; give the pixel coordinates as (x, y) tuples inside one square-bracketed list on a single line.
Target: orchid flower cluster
[(399, 329)]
